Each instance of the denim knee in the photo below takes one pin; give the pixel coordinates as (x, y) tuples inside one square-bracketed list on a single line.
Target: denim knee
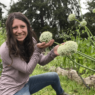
[(55, 75)]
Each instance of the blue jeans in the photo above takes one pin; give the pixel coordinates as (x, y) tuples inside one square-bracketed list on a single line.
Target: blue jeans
[(40, 81)]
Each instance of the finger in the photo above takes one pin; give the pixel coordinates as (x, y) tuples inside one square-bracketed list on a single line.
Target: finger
[(40, 46), (47, 44), (43, 43), (50, 43)]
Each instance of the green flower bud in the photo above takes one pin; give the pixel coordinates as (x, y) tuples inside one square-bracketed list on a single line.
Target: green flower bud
[(67, 48), (83, 23), (45, 36), (93, 10), (71, 17)]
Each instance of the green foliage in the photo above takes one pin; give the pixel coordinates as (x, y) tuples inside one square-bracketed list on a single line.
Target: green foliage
[(1, 7), (47, 15), (85, 46), (90, 16), (2, 39)]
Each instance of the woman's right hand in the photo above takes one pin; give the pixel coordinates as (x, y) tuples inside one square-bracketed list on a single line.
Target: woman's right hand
[(45, 45)]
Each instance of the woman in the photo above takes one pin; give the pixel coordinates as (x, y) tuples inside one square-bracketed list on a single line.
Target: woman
[(20, 55)]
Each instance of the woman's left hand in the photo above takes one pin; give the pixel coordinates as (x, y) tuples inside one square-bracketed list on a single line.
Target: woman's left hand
[(45, 45)]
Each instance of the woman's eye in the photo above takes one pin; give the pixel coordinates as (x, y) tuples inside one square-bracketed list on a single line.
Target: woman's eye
[(22, 26), (14, 27)]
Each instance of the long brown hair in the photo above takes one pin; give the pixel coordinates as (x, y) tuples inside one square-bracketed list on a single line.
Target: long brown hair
[(24, 51)]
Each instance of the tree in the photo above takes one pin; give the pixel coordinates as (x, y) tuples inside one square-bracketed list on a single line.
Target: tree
[(90, 16), (1, 6), (48, 15), (2, 20)]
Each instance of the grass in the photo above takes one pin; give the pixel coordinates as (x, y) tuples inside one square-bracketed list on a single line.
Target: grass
[(71, 87)]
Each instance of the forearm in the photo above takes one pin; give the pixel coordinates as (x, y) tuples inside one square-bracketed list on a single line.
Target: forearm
[(33, 61), (44, 59), (18, 63)]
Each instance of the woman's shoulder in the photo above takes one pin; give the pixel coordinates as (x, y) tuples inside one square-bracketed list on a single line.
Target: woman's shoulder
[(4, 45), (3, 48)]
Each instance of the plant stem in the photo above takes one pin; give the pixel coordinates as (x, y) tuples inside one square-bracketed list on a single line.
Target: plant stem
[(77, 20), (89, 35), (86, 56), (90, 32), (81, 65), (56, 43)]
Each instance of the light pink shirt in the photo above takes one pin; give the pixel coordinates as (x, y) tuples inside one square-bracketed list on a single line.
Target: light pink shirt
[(14, 77)]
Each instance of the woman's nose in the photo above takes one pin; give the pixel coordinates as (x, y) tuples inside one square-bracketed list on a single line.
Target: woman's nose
[(19, 30)]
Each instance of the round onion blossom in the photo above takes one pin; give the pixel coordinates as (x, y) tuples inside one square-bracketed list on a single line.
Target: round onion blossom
[(83, 23), (68, 48), (46, 36), (71, 17), (93, 10)]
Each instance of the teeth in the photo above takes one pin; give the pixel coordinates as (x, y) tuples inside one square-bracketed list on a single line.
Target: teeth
[(19, 35)]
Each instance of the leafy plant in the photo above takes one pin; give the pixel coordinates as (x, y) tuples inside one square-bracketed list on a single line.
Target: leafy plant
[(2, 39)]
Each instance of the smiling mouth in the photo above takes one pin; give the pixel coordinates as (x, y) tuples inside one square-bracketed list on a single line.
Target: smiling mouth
[(19, 36)]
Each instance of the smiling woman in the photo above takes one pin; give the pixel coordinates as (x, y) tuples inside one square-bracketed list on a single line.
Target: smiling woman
[(20, 54), (19, 30)]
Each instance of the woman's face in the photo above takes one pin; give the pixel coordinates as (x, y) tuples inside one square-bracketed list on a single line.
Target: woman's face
[(19, 30)]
